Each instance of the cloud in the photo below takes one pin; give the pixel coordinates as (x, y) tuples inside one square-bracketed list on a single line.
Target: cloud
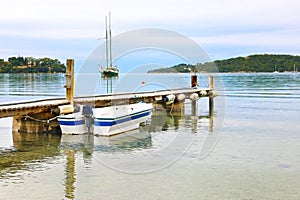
[(89, 15), (270, 38), (232, 23)]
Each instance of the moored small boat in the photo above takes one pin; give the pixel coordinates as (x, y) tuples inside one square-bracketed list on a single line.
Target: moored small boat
[(107, 121), (73, 123), (117, 119), (72, 120)]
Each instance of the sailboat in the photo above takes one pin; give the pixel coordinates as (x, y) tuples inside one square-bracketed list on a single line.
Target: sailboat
[(275, 70), (295, 69), (110, 70)]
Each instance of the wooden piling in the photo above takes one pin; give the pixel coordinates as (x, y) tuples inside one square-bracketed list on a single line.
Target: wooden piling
[(211, 82), (194, 81), (194, 107), (69, 80), (211, 96)]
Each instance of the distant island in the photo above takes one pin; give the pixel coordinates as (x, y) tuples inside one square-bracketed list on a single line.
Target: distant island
[(251, 63), (31, 65)]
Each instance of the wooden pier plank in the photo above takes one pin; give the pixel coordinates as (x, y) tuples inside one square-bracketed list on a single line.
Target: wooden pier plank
[(9, 110), (22, 108)]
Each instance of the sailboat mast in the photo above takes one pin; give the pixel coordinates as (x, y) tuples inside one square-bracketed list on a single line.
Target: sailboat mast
[(106, 40), (294, 68), (110, 51)]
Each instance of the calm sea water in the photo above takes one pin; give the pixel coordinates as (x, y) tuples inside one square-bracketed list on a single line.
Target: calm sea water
[(249, 149)]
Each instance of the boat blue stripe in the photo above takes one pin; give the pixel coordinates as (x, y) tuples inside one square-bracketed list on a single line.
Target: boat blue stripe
[(129, 115), (71, 123), (102, 122)]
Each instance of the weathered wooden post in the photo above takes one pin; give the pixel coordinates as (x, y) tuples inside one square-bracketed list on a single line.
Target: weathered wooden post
[(211, 95), (211, 124), (69, 80), (194, 107), (194, 98), (194, 82)]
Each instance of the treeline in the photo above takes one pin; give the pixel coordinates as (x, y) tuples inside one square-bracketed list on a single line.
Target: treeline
[(252, 63), (31, 65), (181, 68)]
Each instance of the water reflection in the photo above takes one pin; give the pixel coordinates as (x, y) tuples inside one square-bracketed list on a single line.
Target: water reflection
[(31, 151), (265, 85), (87, 144), (70, 145), (127, 142), (106, 85), (236, 154), (70, 174), (79, 144), (31, 84)]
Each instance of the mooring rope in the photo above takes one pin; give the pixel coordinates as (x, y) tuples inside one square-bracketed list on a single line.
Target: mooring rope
[(172, 108), (40, 120)]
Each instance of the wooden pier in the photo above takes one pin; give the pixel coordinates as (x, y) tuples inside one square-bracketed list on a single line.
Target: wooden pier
[(40, 116)]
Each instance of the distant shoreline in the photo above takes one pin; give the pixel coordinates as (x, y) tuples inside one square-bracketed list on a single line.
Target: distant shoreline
[(266, 63), (31, 65), (32, 72), (286, 72)]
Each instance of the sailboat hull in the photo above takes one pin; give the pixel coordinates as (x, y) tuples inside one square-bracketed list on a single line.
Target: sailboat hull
[(110, 72)]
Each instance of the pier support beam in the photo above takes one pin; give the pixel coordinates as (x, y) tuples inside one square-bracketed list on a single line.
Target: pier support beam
[(194, 107), (35, 123), (177, 109), (69, 80)]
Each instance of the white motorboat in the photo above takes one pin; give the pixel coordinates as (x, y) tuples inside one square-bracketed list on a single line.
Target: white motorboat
[(107, 120), (117, 119), (73, 123)]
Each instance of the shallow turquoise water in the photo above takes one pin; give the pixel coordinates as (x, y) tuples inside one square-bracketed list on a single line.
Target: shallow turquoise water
[(253, 140)]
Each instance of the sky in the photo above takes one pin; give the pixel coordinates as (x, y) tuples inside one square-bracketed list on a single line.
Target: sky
[(223, 28)]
